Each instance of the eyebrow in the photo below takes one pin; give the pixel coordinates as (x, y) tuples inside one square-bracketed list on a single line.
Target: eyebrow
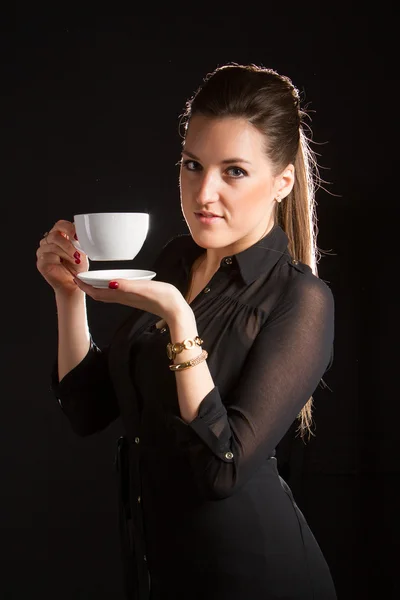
[(227, 161)]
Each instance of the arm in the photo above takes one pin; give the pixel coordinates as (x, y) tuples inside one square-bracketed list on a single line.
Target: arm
[(80, 378), (73, 331), (195, 383), (229, 440)]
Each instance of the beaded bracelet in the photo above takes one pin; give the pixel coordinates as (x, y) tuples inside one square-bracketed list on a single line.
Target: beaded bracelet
[(190, 363)]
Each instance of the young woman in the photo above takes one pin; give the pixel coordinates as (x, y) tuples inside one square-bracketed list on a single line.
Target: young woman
[(220, 355)]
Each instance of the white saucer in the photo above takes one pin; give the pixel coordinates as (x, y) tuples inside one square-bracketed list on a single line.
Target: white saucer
[(101, 279)]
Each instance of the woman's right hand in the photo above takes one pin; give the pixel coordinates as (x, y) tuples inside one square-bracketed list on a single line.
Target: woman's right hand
[(57, 256)]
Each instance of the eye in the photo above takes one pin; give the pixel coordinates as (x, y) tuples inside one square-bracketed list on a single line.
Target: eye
[(237, 172), (193, 165), (190, 165)]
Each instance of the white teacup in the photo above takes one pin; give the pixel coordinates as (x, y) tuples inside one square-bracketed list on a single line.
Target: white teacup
[(111, 236)]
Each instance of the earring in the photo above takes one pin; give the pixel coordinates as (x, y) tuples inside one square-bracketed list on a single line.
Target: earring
[(278, 199)]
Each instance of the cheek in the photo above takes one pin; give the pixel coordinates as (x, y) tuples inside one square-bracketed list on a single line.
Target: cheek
[(252, 203), (187, 188), (182, 181), (185, 194), (261, 194)]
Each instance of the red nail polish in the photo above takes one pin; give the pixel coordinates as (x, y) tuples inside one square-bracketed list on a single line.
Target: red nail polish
[(77, 255), (78, 261), (113, 285), (76, 237)]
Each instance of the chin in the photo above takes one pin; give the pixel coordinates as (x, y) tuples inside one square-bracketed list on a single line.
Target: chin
[(210, 241)]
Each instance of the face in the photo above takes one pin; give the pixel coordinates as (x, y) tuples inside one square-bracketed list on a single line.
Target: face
[(225, 171)]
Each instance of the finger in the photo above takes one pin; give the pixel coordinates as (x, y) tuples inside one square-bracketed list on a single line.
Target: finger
[(125, 285), (66, 227), (70, 268), (100, 294), (62, 234), (68, 253), (55, 236), (61, 239), (50, 258)]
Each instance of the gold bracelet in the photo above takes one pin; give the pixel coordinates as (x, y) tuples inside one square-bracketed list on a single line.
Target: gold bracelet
[(174, 349), (190, 363)]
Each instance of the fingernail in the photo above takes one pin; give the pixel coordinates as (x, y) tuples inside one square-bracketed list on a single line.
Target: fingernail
[(76, 237), (78, 261), (77, 255), (113, 285)]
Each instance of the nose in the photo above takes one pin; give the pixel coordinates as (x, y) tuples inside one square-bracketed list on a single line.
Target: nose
[(208, 189)]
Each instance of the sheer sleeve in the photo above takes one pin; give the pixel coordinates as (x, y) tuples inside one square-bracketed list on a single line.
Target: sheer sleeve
[(231, 437), (86, 394)]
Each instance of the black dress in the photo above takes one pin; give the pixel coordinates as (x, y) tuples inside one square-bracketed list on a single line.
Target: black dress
[(204, 513)]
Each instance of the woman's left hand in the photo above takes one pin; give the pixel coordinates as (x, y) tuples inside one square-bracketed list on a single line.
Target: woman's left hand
[(156, 297)]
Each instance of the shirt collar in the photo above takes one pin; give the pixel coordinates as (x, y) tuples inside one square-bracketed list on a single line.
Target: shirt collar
[(258, 259)]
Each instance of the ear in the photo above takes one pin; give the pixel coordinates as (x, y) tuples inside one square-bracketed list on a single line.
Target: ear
[(284, 182)]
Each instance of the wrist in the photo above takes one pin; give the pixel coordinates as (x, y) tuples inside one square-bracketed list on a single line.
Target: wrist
[(182, 319), (182, 327), (71, 297)]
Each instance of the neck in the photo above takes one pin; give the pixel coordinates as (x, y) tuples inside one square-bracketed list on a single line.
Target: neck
[(210, 261), (206, 266)]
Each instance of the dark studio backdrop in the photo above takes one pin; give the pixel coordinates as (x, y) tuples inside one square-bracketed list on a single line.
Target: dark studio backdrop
[(91, 124)]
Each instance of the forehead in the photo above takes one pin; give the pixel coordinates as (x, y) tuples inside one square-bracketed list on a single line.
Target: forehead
[(224, 137)]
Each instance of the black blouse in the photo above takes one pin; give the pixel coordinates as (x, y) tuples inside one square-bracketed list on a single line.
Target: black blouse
[(191, 492)]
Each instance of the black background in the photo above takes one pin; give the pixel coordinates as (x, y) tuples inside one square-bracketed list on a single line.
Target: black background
[(90, 123)]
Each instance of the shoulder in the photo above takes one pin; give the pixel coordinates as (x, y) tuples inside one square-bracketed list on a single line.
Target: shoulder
[(173, 246), (177, 244), (300, 285), (168, 258)]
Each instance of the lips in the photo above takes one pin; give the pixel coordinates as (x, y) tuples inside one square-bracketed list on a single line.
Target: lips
[(209, 215)]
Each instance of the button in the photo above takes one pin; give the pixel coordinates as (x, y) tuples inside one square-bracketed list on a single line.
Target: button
[(206, 290), (163, 330), (295, 262), (137, 440), (138, 499), (229, 455), (228, 261)]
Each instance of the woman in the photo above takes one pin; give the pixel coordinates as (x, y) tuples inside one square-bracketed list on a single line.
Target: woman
[(204, 513)]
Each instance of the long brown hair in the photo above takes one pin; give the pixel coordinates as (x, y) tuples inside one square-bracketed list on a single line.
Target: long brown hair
[(271, 103)]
